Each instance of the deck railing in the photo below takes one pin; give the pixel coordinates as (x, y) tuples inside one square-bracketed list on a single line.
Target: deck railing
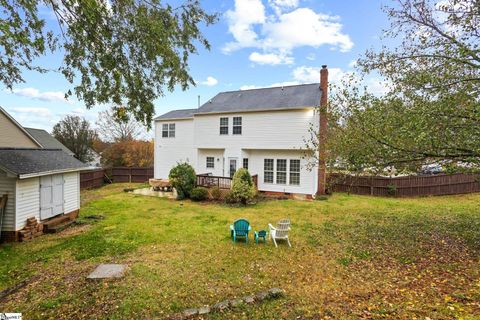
[(209, 181)]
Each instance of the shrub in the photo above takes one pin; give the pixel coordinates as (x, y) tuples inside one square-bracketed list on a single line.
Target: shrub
[(199, 194), (182, 177), (216, 193), (243, 189)]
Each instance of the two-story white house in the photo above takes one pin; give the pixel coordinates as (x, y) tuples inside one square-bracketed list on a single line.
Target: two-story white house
[(263, 130)]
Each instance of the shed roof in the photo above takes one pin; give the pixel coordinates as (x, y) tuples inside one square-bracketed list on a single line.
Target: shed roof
[(47, 140), (26, 162)]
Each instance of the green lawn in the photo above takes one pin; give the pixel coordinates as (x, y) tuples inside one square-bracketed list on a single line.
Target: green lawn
[(352, 257)]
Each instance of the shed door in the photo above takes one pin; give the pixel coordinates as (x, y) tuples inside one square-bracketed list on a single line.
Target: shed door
[(51, 196)]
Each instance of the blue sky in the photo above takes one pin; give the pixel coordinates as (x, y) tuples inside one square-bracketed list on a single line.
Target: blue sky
[(256, 43)]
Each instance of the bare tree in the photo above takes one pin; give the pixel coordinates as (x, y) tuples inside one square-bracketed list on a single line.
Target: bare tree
[(114, 125)]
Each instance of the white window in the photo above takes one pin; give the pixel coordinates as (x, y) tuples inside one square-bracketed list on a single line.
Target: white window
[(237, 125), (165, 130), (223, 126), (268, 170), (281, 171), (210, 162), (168, 130), (245, 163), (294, 171)]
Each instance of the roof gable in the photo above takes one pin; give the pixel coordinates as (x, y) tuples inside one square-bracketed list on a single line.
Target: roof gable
[(12, 134)]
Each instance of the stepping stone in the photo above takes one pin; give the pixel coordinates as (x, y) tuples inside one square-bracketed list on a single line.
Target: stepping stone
[(106, 271)]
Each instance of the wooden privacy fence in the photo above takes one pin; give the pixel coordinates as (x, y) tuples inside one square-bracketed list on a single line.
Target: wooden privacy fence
[(408, 186), (97, 177), (131, 174), (92, 179)]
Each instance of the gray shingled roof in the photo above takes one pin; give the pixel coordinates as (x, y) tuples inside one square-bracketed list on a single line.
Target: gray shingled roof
[(277, 98), (25, 161), (177, 114), (47, 141)]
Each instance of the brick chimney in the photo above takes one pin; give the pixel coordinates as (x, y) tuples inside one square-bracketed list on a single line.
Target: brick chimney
[(322, 134)]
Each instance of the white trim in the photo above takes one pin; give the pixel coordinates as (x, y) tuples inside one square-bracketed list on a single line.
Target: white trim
[(46, 173)]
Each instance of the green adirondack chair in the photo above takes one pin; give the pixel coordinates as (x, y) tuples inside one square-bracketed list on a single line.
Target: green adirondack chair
[(240, 228)]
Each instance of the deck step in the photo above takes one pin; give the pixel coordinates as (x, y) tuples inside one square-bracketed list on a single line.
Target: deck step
[(59, 227)]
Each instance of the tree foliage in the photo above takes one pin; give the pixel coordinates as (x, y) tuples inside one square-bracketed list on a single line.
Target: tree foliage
[(122, 52), (430, 112), (243, 190), (183, 178), (131, 153), (76, 134), (114, 125)]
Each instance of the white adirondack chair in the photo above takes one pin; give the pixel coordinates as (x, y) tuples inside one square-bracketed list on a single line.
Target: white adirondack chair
[(280, 232)]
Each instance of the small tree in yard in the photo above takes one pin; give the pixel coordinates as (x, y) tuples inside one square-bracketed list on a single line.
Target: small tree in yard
[(243, 190), (182, 177)]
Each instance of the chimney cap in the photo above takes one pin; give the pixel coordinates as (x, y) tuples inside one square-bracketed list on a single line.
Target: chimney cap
[(324, 66)]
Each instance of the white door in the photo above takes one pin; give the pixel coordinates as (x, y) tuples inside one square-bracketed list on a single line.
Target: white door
[(51, 196), (232, 166)]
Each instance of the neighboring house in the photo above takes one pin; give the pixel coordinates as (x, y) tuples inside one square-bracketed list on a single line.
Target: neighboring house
[(263, 130), (41, 180)]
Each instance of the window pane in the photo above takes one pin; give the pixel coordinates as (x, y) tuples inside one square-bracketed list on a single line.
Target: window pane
[(294, 178), (171, 131), (295, 172), (223, 125), (245, 163), (281, 171), (237, 125), (210, 162), (165, 130), (268, 170)]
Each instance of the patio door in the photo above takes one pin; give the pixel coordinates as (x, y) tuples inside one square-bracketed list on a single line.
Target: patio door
[(232, 166), (51, 196)]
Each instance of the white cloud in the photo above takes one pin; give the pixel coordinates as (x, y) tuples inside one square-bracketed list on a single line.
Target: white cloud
[(33, 93), (311, 56), (270, 58), (306, 74), (241, 21), (211, 81), (280, 34), (79, 111), (41, 112), (249, 87), (281, 5)]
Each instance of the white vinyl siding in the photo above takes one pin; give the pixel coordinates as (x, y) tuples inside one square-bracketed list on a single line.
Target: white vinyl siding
[(168, 152), (275, 130), (27, 201), (7, 186), (71, 191)]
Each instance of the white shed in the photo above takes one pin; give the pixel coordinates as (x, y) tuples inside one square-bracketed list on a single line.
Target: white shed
[(43, 184)]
